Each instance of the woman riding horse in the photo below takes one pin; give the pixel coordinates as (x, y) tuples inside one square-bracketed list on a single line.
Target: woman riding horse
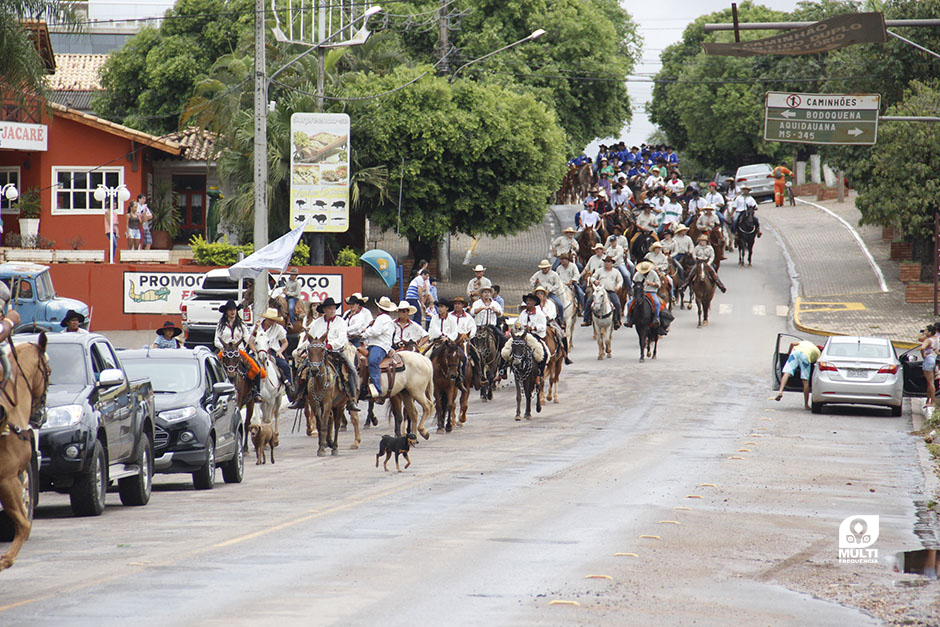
[(231, 334)]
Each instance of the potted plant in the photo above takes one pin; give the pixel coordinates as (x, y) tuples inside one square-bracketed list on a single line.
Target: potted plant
[(166, 217), (29, 206)]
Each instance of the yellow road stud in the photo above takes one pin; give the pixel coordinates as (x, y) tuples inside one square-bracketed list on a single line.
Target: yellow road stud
[(564, 602), (626, 555), (598, 577), (651, 537)]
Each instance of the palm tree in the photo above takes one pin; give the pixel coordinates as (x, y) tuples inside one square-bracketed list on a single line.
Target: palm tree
[(21, 69)]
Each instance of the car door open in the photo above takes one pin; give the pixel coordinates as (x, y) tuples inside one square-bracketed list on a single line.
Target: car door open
[(915, 383), (781, 353)]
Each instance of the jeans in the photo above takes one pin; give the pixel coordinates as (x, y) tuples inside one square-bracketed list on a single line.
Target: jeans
[(283, 366), (376, 355), (559, 307), (578, 293), (614, 300), (291, 305), (416, 316), (659, 305), (627, 278), (114, 240)]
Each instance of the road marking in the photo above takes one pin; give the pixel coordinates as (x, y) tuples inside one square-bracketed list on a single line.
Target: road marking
[(706, 485), (683, 508), (782, 311), (735, 457), (648, 537), (724, 308), (694, 496), (744, 450), (599, 577), (805, 306), (669, 522), (759, 310), (626, 555), (564, 602), (753, 443)]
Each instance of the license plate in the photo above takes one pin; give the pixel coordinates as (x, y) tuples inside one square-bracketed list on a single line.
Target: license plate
[(856, 373)]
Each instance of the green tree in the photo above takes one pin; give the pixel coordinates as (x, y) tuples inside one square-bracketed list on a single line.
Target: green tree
[(149, 80), (908, 195), (21, 70)]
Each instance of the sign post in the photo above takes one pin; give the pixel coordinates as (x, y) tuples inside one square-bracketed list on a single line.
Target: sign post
[(850, 119), (319, 184)]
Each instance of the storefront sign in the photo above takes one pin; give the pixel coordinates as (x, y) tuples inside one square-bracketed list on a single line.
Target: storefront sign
[(319, 165), (19, 136), (163, 292)]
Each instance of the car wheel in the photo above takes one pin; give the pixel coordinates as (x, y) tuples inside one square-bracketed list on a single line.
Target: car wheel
[(817, 407), (234, 469), (136, 490), (896, 411), (28, 481), (90, 488), (204, 478)]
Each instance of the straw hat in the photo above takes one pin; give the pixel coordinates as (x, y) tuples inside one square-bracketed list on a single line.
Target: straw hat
[(544, 264), (644, 266), (385, 304), (356, 297), (702, 238), (271, 314), (570, 230), (596, 246), (681, 228), (406, 306), (655, 245), (459, 299), (539, 288), (479, 268)]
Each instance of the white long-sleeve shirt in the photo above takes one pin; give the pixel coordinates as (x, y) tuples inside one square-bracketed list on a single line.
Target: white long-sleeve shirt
[(228, 335), (410, 332), (535, 321), (334, 330), (380, 333), (443, 327), (486, 313), (465, 324), (356, 322)]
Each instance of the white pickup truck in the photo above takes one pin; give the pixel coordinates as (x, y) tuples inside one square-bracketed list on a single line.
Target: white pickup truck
[(201, 310)]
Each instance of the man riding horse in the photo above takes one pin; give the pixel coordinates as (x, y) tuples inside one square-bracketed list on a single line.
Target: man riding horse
[(741, 204), (647, 276), (611, 281), (408, 334), (443, 328), (551, 317), (339, 350), (705, 253), (532, 320)]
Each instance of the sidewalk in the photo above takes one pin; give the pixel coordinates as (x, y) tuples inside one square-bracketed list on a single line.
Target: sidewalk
[(840, 290), (509, 261)]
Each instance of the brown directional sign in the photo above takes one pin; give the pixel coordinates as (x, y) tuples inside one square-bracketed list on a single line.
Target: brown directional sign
[(836, 32)]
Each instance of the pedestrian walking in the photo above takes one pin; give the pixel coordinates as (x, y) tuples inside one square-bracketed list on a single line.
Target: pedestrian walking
[(416, 295), (111, 230), (929, 346)]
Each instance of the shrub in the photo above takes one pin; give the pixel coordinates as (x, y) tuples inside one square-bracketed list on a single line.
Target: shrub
[(224, 254), (347, 257)]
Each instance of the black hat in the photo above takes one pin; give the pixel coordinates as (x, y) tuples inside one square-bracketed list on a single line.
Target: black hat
[(230, 304), (443, 302), (169, 325), (329, 302), (531, 296), (71, 314)]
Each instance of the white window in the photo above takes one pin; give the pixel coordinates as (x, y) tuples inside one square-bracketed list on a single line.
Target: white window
[(74, 189), (9, 175)]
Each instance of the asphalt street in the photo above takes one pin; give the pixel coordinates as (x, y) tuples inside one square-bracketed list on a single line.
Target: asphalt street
[(669, 492)]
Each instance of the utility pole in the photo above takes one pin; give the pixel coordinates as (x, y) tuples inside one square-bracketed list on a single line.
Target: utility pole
[(260, 159), (318, 240), (443, 247)]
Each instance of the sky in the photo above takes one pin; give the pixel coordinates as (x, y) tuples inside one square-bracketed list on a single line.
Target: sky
[(659, 27)]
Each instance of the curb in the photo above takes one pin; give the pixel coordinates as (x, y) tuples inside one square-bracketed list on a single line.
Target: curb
[(808, 329)]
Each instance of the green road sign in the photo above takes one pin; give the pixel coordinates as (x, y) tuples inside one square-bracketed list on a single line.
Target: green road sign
[(821, 118)]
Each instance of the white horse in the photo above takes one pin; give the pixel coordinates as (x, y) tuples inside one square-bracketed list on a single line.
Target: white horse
[(416, 383), (569, 315), (272, 388), (602, 311)]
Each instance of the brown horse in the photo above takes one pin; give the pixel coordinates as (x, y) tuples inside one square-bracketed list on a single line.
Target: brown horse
[(237, 373), (583, 182), (586, 239), (556, 359), (445, 357), (326, 399), (704, 289), (22, 399), (300, 313)]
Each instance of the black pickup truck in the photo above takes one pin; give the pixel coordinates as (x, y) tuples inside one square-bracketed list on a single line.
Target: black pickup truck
[(99, 425)]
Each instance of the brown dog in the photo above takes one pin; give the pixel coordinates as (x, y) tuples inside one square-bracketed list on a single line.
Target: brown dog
[(263, 435)]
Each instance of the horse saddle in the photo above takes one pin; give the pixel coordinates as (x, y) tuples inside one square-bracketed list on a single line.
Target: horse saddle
[(390, 364), (392, 361)]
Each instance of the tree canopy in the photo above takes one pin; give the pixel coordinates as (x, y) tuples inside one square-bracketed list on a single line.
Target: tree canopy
[(21, 69)]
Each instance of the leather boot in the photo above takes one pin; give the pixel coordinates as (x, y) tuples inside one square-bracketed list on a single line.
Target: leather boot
[(300, 395)]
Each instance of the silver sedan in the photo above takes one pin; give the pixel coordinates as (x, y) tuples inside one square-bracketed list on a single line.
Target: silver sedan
[(759, 177), (858, 371)]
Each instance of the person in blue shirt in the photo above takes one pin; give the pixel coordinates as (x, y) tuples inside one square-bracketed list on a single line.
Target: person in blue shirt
[(166, 336), (498, 298), (671, 158)]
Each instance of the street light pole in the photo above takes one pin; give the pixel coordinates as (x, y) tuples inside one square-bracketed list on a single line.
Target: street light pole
[(260, 159), (122, 194)]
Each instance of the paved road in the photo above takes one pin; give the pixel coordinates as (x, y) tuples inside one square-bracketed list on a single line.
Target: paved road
[(496, 520)]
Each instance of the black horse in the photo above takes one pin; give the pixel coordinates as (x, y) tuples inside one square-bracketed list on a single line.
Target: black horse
[(746, 233), (641, 245), (643, 318), (487, 347), (525, 371)]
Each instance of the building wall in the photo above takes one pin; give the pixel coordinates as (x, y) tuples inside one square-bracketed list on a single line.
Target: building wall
[(74, 144)]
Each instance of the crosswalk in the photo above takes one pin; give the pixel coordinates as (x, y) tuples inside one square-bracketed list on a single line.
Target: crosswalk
[(781, 311)]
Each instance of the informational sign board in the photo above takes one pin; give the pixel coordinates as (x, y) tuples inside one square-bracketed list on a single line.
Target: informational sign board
[(20, 136), (821, 118), (831, 34), (319, 171), (163, 292)]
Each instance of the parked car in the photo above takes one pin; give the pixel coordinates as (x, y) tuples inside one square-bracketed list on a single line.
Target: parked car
[(854, 370), (721, 182), (759, 177), (34, 298), (198, 426), (201, 310), (98, 425)]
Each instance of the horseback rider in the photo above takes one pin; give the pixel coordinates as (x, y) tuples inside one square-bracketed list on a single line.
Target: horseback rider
[(231, 330), (741, 204), (548, 308), (647, 276), (646, 222), (708, 221), (661, 261), (611, 281), (338, 348), (672, 213), (357, 318), (565, 244), (270, 326), (533, 320), (478, 281), (619, 255), (378, 340), (466, 326), (658, 200), (407, 331), (447, 327), (552, 282), (596, 262), (569, 275), (292, 293), (487, 312), (589, 217), (704, 252), (713, 197)]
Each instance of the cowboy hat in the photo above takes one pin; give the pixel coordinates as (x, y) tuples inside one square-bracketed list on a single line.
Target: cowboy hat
[(544, 264), (745, 187), (385, 304), (644, 266), (329, 302), (356, 297), (486, 287), (655, 245), (608, 258), (681, 228), (229, 304), (458, 299), (406, 306), (540, 288), (72, 314), (709, 208), (271, 314), (702, 237), (598, 245), (293, 271), (530, 296), (443, 302), (479, 268), (169, 325), (570, 229)]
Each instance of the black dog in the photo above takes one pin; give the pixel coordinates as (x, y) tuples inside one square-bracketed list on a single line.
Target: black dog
[(400, 446)]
